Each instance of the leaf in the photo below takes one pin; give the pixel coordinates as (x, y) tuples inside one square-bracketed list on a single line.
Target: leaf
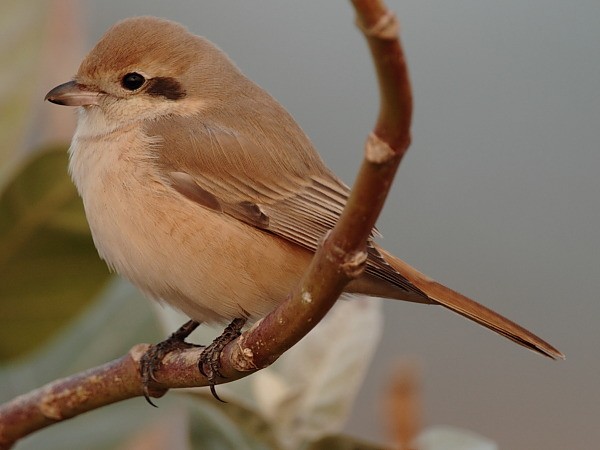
[(120, 318), (344, 443), (232, 426), (450, 438), (310, 392), (48, 264), (228, 426), (114, 322)]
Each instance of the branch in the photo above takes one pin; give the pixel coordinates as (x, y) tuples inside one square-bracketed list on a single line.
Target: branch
[(340, 258)]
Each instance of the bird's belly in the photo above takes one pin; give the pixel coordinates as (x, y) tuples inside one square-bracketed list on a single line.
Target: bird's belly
[(209, 265)]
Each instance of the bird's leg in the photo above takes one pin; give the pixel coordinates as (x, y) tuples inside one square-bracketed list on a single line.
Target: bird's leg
[(155, 354), (210, 359)]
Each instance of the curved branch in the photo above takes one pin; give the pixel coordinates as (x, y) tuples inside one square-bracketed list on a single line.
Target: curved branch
[(340, 258)]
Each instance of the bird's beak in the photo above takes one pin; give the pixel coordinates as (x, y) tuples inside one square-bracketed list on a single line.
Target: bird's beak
[(73, 94)]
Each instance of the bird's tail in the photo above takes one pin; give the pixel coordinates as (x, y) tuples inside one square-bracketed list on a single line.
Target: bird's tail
[(471, 309)]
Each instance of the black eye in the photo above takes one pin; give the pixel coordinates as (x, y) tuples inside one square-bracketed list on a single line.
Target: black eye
[(132, 81)]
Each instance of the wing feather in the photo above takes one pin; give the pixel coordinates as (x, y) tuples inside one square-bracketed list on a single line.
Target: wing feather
[(298, 199)]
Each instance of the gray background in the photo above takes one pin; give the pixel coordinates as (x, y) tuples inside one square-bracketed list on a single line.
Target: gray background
[(498, 196)]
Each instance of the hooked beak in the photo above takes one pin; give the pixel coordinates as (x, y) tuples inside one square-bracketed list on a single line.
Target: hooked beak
[(73, 94)]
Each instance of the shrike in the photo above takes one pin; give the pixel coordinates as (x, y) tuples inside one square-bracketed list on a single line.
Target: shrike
[(204, 192)]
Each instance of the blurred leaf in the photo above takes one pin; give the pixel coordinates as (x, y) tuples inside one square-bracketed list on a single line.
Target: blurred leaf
[(120, 318), (215, 425), (450, 438), (232, 426), (307, 394), (21, 32), (313, 388), (50, 268), (116, 321), (344, 443)]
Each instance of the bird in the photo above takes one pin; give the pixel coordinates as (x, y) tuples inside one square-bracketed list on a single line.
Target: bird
[(204, 192)]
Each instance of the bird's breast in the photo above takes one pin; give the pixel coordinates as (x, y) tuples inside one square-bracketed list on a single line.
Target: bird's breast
[(210, 265)]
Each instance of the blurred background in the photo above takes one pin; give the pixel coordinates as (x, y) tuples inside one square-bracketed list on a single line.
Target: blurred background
[(498, 197)]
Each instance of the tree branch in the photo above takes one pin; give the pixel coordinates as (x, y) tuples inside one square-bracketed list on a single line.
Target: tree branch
[(340, 258)]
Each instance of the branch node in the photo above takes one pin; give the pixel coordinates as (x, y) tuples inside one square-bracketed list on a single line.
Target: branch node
[(336, 254), (386, 27), (378, 151), (354, 264), (49, 409), (242, 358), (306, 297)]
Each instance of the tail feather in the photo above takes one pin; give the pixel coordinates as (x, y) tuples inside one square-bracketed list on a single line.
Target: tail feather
[(470, 309)]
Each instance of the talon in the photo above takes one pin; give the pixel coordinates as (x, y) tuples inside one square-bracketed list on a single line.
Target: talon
[(147, 397), (213, 391)]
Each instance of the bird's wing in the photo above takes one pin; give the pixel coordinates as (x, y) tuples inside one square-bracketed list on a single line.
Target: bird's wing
[(293, 195), (290, 193)]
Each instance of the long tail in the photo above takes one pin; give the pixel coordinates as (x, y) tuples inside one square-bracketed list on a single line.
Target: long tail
[(471, 309)]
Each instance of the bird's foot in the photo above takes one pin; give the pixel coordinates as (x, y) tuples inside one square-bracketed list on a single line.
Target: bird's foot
[(210, 359), (153, 357)]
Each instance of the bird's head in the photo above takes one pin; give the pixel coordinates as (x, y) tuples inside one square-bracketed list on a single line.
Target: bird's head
[(146, 67)]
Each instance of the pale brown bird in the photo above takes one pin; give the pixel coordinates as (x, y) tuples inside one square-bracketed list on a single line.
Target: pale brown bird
[(204, 192)]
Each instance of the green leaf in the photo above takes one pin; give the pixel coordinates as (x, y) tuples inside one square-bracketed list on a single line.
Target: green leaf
[(48, 264), (116, 321), (228, 425), (218, 426), (341, 442), (120, 318)]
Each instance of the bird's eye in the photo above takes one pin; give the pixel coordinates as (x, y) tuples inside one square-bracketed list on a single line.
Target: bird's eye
[(132, 81)]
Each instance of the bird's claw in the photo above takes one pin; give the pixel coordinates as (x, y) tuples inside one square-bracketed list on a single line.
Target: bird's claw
[(153, 357), (210, 359)]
